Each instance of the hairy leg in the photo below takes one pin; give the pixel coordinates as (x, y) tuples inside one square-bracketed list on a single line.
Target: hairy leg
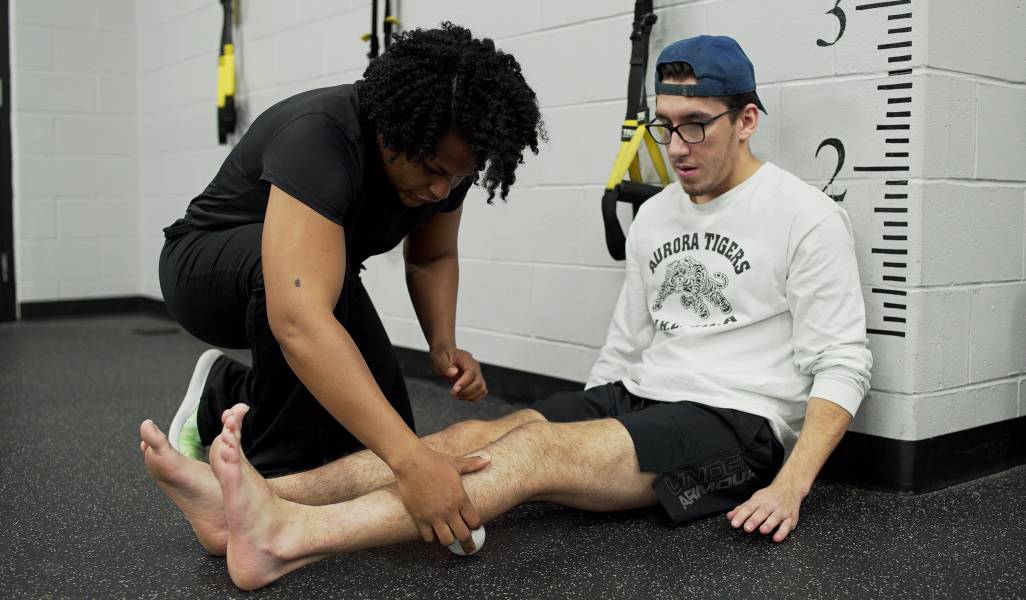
[(589, 465), (363, 472), (191, 485)]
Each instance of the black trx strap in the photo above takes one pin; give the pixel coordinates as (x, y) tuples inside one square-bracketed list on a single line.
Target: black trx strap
[(633, 132), (373, 35), (390, 20), (226, 117), (387, 24)]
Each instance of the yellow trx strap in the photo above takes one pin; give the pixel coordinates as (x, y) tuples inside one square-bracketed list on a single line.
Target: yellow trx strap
[(633, 132)]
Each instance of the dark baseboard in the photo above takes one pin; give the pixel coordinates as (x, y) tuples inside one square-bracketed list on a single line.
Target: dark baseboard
[(930, 464), (93, 307), (860, 459)]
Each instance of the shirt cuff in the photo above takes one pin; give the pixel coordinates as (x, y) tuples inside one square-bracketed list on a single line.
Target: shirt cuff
[(840, 392)]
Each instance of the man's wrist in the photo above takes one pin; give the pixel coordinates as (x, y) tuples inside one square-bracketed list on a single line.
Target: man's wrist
[(794, 481)]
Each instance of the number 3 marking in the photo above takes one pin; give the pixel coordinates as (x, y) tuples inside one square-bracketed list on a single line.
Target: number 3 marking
[(839, 13), (836, 145)]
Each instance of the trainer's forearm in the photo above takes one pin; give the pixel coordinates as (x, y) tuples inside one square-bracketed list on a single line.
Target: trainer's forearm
[(433, 287), (325, 358), (825, 424)]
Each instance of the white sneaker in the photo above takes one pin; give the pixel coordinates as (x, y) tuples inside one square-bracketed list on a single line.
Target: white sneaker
[(184, 430)]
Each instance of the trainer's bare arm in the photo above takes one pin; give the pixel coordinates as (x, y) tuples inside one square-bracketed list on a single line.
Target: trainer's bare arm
[(432, 277), (776, 507), (304, 266)]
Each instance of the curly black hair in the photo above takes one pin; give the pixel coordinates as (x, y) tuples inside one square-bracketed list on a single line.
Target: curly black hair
[(434, 81)]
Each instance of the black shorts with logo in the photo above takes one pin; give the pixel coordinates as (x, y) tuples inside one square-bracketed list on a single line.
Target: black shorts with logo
[(707, 460)]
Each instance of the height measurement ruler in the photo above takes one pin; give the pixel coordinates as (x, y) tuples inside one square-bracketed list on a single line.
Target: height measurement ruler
[(891, 211), (892, 133)]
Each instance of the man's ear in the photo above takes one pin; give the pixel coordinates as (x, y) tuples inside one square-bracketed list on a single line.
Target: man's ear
[(748, 122)]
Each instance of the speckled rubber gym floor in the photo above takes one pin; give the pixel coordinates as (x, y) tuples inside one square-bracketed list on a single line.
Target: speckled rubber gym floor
[(81, 519)]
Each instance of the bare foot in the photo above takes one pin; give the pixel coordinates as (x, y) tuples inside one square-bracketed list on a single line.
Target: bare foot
[(263, 531), (191, 486)]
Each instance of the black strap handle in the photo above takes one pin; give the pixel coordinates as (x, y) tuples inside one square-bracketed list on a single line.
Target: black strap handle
[(634, 193)]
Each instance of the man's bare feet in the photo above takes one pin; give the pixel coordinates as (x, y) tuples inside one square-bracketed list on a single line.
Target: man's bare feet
[(191, 486), (263, 530)]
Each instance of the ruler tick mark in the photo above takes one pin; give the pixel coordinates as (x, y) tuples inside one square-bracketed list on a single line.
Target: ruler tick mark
[(895, 86), (886, 332), (882, 4)]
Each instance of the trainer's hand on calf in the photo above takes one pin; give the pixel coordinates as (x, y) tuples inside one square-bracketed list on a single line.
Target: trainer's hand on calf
[(432, 490), (773, 508), (462, 370)]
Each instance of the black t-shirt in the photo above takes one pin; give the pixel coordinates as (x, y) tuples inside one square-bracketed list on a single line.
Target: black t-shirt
[(315, 147)]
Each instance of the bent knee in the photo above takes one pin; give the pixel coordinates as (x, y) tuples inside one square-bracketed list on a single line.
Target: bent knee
[(593, 440), (459, 436)]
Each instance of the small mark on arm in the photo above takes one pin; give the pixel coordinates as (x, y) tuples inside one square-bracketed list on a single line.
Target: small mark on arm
[(297, 282)]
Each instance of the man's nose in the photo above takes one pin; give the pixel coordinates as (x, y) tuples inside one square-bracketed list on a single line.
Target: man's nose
[(678, 147)]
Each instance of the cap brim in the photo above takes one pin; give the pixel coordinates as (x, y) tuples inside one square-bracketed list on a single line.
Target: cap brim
[(758, 102)]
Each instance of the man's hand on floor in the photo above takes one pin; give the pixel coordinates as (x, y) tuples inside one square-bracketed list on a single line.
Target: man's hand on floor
[(771, 509)]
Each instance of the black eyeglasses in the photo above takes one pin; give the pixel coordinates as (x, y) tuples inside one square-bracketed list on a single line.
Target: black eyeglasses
[(693, 133)]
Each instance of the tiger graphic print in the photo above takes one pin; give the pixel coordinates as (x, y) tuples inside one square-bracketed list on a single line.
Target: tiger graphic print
[(691, 279)]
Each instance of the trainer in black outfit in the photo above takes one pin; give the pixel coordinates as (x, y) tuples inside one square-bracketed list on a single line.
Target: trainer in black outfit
[(268, 257)]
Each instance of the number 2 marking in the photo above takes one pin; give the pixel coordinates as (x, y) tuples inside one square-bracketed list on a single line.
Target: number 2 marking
[(839, 13), (836, 145)]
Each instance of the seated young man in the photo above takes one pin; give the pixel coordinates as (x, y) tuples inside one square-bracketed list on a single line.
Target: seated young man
[(734, 363)]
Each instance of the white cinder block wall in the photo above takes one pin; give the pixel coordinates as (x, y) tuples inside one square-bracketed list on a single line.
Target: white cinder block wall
[(282, 48), (74, 149), (942, 245)]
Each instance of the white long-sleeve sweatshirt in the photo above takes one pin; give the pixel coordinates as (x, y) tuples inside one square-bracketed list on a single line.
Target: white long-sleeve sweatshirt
[(751, 302)]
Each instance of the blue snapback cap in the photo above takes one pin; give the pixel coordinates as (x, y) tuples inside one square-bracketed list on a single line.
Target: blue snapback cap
[(719, 63)]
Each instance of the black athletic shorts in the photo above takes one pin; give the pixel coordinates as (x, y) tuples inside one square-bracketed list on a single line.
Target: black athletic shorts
[(707, 460)]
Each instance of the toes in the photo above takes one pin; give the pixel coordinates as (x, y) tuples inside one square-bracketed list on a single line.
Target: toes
[(229, 437), (232, 418), (151, 434), (229, 454)]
